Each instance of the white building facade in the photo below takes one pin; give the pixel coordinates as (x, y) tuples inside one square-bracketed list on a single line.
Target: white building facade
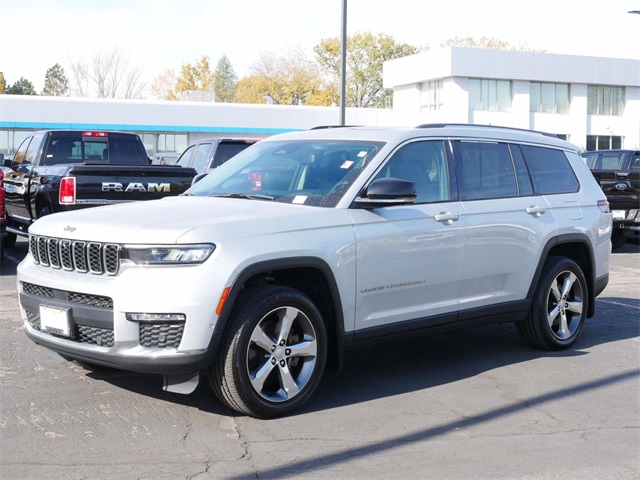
[(592, 102)]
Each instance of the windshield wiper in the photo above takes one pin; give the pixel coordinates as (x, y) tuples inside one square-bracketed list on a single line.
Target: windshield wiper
[(243, 195)]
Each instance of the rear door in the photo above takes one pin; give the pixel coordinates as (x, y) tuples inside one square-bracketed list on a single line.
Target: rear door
[(507, 223), (410, 257)]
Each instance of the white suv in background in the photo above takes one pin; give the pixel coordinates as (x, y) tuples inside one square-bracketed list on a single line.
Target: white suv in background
[(308, 243)]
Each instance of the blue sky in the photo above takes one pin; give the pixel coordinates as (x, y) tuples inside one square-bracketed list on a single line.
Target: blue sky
[(162, 34)]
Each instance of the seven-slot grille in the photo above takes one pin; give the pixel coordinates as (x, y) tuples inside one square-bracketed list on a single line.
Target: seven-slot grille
[(75, 255)]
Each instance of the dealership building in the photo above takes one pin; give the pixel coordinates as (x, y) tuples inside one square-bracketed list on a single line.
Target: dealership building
[(593, 102)]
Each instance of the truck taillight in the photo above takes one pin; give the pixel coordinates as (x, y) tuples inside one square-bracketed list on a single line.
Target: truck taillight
[(68, 191), (94, 134), (603, 205)]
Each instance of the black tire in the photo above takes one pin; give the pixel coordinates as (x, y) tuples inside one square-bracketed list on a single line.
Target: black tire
[(263, 358), (10, 240), (559, 306), (618, 238)]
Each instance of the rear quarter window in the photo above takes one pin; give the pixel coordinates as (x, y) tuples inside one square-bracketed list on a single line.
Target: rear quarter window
[(550, 170)]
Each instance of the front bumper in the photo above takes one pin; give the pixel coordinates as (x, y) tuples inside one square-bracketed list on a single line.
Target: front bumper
[(97, 306)]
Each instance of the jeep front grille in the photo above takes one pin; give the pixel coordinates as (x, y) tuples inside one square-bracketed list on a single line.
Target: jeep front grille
[(75, 255)]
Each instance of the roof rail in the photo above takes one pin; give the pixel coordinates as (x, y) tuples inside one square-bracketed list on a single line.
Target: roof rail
[(476, 125)]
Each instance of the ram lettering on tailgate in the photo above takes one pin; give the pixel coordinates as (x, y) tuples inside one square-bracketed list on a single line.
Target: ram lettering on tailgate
[(136, 187)]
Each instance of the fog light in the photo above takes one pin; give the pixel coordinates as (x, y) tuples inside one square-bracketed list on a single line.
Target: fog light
[(156, 317)]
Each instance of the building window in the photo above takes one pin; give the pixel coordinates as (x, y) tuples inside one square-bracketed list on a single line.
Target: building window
[(605, 100), (549, 97), (489, 94), (603, 142), (430, 95)]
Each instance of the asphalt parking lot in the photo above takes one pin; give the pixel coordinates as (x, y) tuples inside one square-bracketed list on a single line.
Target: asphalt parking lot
[(476, 404)]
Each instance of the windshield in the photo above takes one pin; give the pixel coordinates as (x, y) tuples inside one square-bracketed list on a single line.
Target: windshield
[(306, 172)]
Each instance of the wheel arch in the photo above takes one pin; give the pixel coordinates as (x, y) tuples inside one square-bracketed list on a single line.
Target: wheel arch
[(309, 275), (578, 248)]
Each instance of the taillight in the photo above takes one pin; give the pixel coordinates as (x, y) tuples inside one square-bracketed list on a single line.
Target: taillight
[(94, 134), (603, 205), (68, 191)]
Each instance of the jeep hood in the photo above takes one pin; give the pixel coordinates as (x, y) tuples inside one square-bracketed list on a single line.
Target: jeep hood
[(185, 219)]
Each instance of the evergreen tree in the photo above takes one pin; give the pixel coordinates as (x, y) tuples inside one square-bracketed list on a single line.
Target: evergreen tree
[(22, 87), (226, 80), (3, 83), (56, 83)]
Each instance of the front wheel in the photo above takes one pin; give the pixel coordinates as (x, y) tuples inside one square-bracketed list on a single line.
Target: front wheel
[(273, 355), (559, 306)]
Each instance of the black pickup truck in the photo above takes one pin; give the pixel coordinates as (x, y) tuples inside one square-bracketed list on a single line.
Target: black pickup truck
[(618, 173), (59, 170)]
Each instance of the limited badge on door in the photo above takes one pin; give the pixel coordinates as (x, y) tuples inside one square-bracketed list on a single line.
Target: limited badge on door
[(55, 320)]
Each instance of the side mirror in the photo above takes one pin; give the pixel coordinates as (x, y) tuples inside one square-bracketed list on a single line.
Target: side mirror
[(197, 178), (386, 192)]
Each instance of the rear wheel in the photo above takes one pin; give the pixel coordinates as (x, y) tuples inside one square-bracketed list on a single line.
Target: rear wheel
[(273, 355), (559, 306)]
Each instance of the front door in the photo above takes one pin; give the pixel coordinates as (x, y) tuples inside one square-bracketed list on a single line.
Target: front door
[(410, 258)]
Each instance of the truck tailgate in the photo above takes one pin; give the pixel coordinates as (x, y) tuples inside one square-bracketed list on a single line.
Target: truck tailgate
[(103, 184)]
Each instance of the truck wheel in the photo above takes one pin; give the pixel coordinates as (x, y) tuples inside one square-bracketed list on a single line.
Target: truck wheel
[(559, 306), (618, 238), (10, 240), (273, 355), (46, 210)]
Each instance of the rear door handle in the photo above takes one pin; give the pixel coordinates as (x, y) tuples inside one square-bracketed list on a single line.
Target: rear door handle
[(446, 217), (535, 210)]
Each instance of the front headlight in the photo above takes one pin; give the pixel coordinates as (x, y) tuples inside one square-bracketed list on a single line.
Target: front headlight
[(167, 254)]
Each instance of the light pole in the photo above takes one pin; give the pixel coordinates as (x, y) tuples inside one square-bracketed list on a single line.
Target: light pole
[(343, 64)]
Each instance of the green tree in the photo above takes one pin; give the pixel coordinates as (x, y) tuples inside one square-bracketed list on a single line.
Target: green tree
[(486, 42), (3, 83), (56, 83), (365, 55), (290, 79), (225, 80), (195, 77), (22, 87)]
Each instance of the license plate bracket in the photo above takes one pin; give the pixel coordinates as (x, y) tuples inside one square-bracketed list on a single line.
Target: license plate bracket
[(55, 320)]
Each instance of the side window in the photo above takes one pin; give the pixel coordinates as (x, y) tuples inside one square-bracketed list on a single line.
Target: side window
[(635, 162), (425, 164), (201, 156), (524, 180), (187, 155), (485, 170), (20, 156), (32, 151), (550, 170)]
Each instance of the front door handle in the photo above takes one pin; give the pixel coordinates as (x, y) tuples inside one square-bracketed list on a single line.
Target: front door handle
[(535, 210), (447, 217)]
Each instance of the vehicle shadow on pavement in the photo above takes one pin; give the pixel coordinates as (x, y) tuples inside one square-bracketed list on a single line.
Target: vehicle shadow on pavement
[(400, 367)]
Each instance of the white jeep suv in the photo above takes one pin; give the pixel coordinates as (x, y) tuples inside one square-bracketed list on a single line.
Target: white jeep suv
[(308, 243)]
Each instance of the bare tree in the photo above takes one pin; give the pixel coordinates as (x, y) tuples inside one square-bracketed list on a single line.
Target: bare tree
[(109, 76), (80, 85)]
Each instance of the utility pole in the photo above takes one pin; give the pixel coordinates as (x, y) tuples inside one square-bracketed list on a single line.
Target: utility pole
[(343, 64)]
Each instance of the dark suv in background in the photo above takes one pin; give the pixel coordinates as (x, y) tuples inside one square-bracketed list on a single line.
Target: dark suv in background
[(205, 155)]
